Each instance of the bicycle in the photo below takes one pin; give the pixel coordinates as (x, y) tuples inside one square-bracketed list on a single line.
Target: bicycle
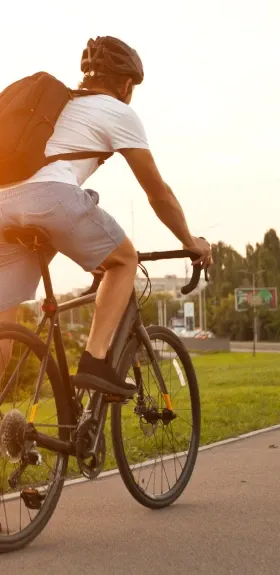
[(34, 464)]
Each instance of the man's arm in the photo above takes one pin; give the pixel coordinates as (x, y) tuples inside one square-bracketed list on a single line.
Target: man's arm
[(161, 197)]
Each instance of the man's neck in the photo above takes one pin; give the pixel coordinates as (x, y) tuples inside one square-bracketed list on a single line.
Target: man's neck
[(102, 90)]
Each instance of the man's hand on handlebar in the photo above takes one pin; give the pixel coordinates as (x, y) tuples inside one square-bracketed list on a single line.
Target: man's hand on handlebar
[(202, 248)]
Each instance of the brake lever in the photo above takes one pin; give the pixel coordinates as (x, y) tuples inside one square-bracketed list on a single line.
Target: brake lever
[(206, 274)]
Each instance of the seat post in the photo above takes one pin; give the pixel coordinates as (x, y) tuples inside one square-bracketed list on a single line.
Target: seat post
[(45, 273)]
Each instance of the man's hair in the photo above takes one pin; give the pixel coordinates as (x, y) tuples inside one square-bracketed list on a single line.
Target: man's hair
[(110, 82)]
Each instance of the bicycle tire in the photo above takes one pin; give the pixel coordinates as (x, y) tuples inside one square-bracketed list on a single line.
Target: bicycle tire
[(116, 427), (9, 543)]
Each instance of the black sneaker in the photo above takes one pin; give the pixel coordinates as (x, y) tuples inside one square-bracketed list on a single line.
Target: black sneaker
[(96, 374)]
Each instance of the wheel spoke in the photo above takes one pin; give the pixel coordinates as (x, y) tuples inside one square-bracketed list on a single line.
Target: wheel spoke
[(162, 464), (152, 472), (3, 499), (174, 451), (20, 513)]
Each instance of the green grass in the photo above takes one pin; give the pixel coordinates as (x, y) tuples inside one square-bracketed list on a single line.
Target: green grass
[(239, 393)]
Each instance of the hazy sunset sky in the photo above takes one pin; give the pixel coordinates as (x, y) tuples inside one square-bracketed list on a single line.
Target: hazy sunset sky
[(210, 105)]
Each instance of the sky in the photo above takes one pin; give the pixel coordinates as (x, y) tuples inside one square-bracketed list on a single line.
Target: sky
[(210, 104)]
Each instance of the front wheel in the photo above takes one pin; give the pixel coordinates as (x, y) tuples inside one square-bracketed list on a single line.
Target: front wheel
[(156, 442)]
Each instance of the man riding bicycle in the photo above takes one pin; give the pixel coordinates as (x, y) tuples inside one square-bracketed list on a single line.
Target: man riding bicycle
[(53, 199)]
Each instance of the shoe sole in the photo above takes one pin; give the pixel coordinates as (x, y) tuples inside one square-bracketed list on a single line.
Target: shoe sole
[(85, 381)]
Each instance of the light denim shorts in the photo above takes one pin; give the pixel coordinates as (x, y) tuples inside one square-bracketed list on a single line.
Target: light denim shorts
[(78, 228)]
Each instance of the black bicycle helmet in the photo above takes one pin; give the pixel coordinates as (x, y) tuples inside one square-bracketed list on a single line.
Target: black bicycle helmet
[(107, 55)]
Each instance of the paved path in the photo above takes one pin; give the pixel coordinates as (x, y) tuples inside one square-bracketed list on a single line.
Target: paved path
[(227, 522), (262, 346)]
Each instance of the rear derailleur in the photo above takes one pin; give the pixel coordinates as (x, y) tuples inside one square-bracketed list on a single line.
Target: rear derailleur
[(31, 457), (32, 497)]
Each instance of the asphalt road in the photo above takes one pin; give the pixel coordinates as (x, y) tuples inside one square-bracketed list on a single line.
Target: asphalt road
[(226, 522)]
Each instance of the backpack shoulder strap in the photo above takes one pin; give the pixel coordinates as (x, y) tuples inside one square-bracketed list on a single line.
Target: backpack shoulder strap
[(82, 93), (71, 156)]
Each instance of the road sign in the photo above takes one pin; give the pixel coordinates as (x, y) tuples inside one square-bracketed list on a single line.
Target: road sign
[(258, 297), (189, 315), (189, 309)]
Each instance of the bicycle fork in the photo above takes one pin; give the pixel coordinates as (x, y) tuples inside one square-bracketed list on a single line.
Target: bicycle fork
[(142, 333)]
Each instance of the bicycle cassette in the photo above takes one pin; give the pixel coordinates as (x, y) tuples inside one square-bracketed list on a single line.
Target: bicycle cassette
[(12, 429)]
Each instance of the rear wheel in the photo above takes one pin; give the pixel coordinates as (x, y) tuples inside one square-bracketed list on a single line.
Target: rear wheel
[(31, 478), (156, 447)]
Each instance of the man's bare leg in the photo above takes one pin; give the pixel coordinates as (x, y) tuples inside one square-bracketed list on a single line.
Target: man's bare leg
[(6, 346), (112, 297)]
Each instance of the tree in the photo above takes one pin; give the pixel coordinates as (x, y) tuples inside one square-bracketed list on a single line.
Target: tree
[(26, 315), (229, 271), (224, 274), (149, 311)]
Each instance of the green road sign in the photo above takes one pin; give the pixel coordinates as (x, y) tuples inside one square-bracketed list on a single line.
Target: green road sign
[(258, 297)]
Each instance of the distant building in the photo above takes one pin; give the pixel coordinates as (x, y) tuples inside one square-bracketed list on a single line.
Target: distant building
[(169, 284)]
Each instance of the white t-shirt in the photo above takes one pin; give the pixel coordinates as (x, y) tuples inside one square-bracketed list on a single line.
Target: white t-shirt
[(98, 123)]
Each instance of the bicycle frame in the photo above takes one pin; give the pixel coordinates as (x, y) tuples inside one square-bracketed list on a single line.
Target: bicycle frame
[(130, 324)]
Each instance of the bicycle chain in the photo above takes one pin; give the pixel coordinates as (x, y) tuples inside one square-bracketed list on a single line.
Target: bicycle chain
[(53, 425)]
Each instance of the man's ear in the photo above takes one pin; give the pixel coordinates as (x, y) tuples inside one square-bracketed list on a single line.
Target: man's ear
[(127, 88)]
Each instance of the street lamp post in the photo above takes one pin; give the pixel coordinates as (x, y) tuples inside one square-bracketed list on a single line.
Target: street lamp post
[(255, 326)]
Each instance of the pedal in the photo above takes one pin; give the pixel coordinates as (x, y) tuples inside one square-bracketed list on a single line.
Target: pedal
[(32, 498)]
